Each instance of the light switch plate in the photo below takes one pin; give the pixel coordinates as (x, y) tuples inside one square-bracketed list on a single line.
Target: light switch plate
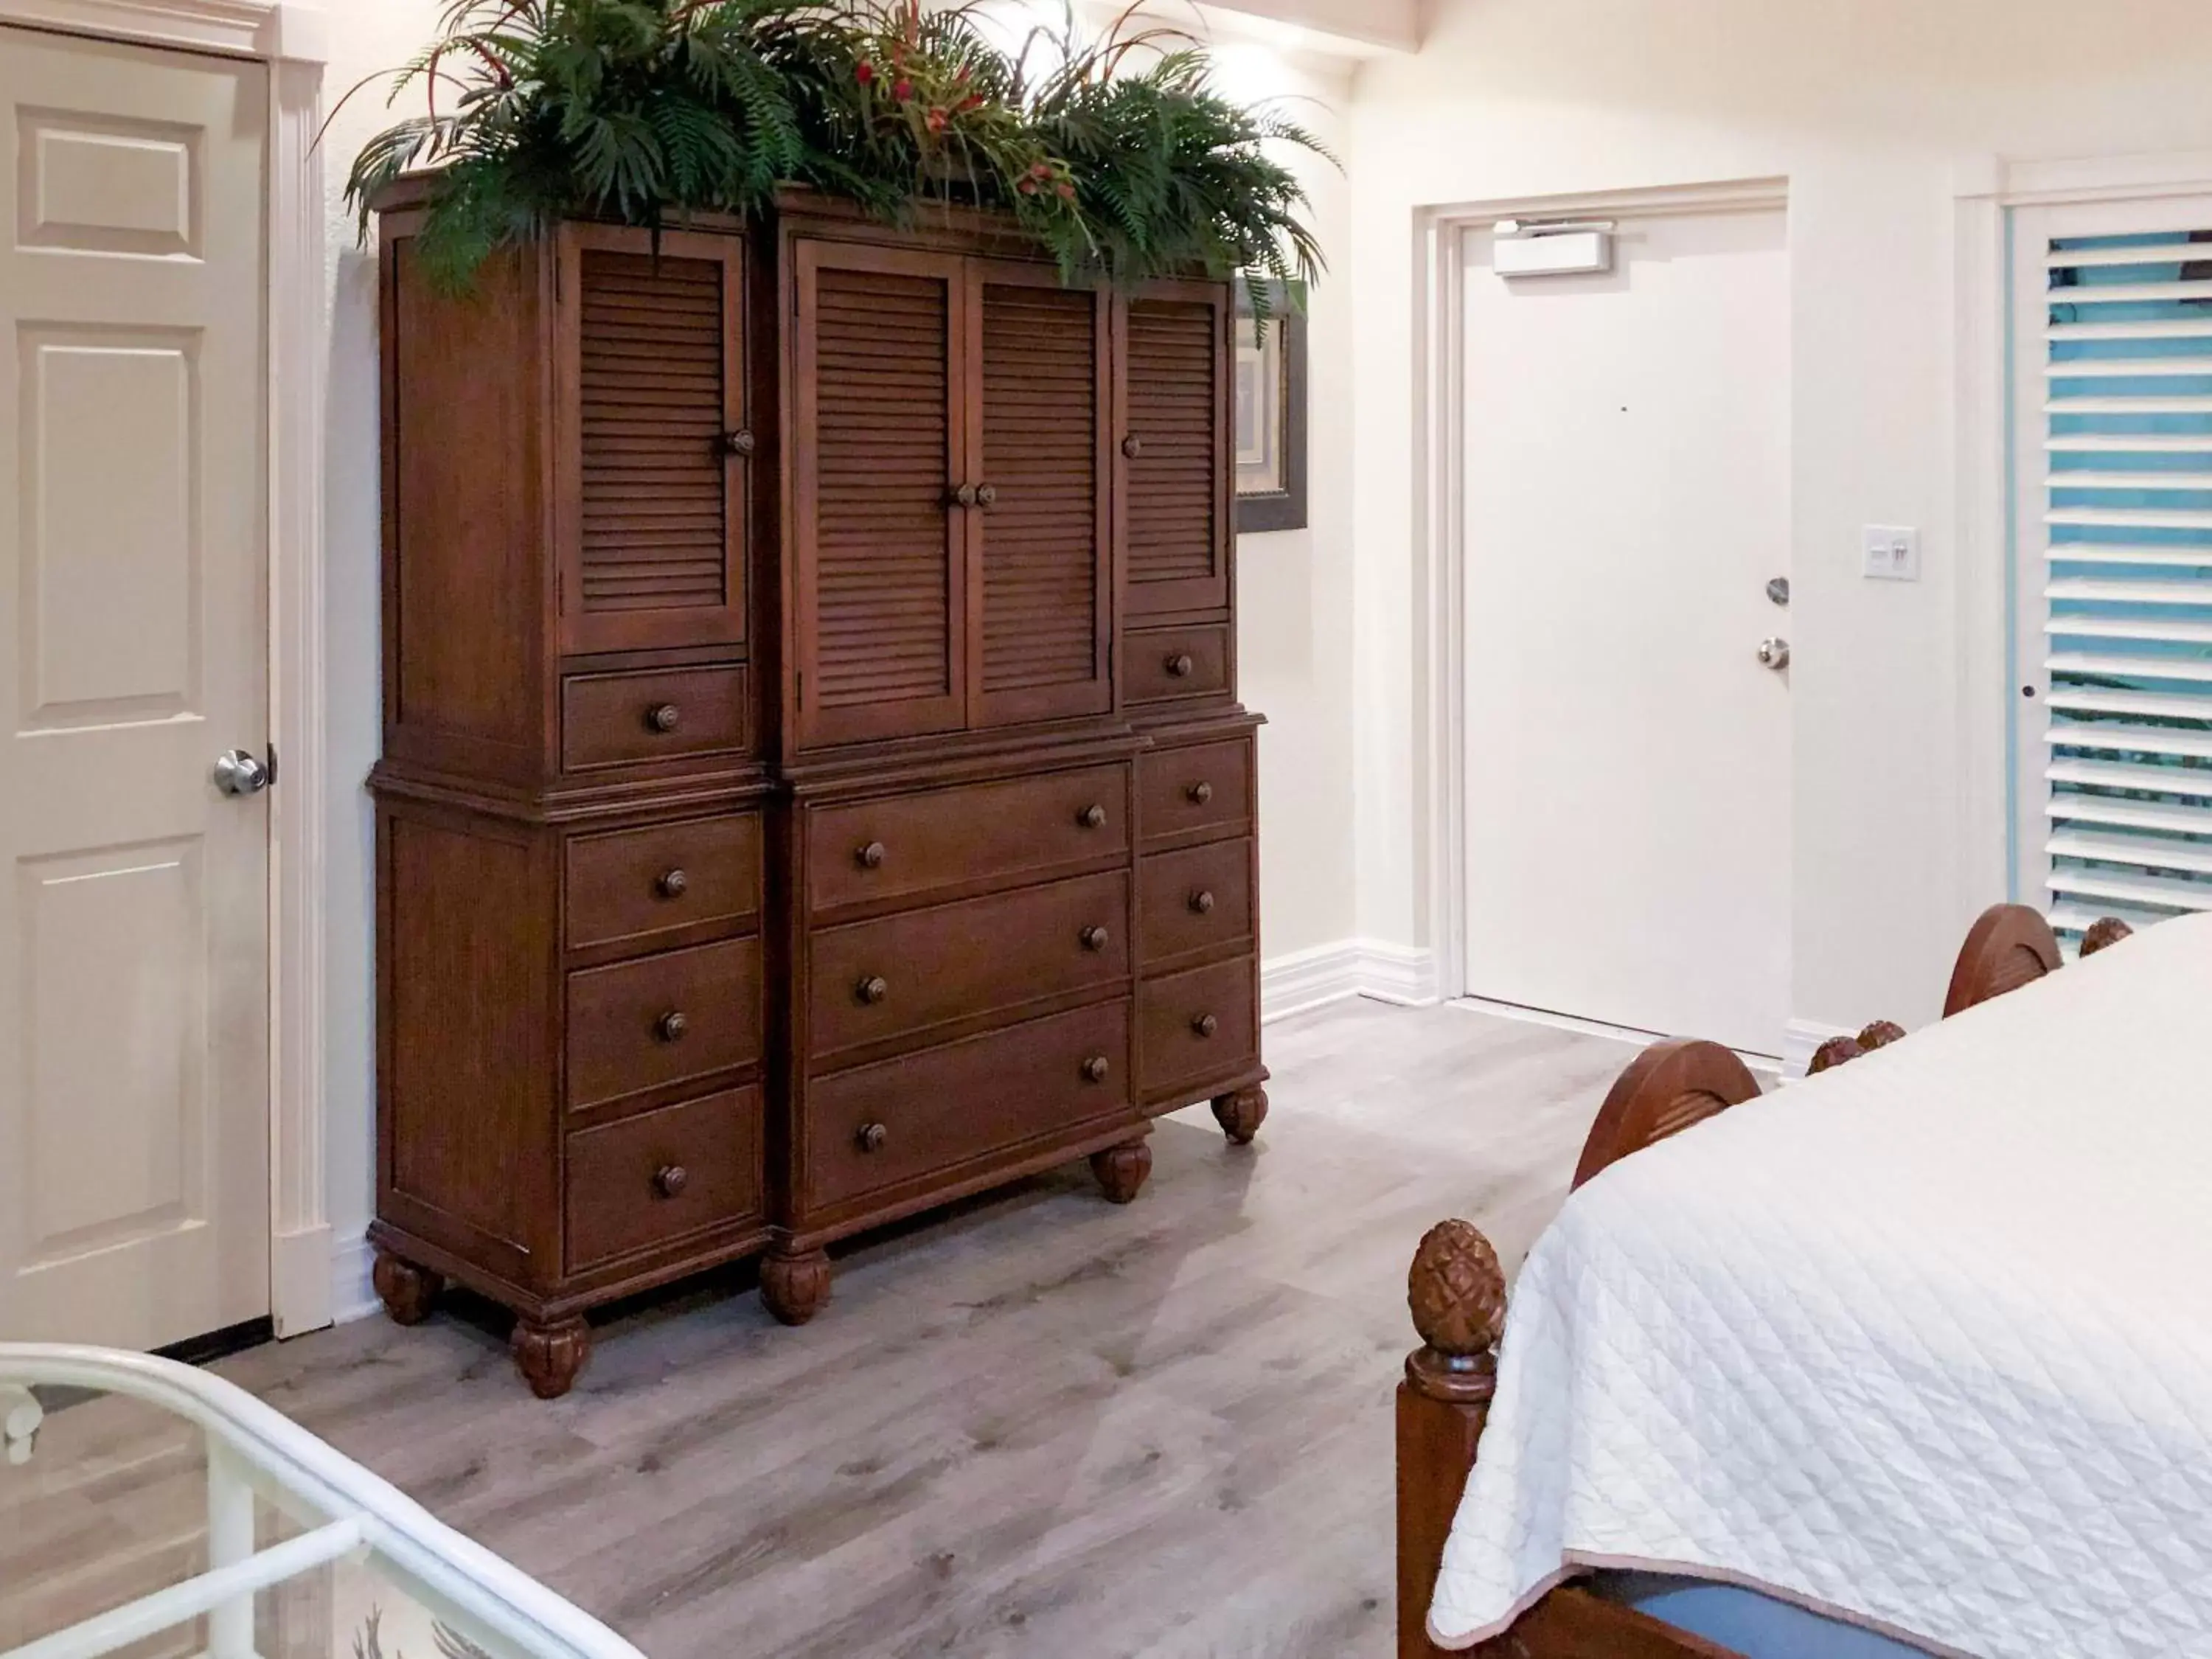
[(1892, 553)]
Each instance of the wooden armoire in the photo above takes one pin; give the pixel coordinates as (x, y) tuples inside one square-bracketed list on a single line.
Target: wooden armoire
[(813, 786)]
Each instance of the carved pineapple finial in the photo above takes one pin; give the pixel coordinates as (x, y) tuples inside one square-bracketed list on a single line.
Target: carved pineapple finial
[(1880, 1033), (1457, 1290), (1877, 1033), (2106, 930)]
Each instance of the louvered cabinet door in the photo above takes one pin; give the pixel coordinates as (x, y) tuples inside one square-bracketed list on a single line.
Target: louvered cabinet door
[(878, 440), (1173, 366), (1040, 536), (653, 465)]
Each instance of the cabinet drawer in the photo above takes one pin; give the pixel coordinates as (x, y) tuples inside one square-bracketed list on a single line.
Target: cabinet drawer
[(941, 838), (876, 1125), (1195, 1027), (871, 980), (660, 1019), (1203, 787), (633, 884), (1193, 899), (1165, 663), (662, 714), (661, 1175)]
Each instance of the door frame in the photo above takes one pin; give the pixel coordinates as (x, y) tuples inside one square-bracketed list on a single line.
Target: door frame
[(292, 39), (1440, 546)]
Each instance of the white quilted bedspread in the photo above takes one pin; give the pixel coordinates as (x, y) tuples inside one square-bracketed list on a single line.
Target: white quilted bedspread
[(1925, 1341)]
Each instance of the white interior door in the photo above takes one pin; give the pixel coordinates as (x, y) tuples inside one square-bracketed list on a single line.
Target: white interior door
[(1627, 498), (134, 910)]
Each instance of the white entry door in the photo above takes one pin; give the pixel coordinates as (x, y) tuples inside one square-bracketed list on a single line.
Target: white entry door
[(1627, 502), (134, 907)]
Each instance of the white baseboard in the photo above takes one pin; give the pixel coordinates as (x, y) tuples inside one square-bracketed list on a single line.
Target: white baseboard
[(353, 1292), (1299, 980), (1799, 1039), (300, 1279)]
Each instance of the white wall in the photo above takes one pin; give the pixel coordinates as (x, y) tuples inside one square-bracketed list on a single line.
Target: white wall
[(1296, 588), (1866, 108)]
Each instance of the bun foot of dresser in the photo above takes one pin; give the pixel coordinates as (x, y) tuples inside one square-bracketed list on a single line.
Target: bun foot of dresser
[(549, 1355), (405, 1290), (1240, 1115), (1121, 1169), (794, 1287)]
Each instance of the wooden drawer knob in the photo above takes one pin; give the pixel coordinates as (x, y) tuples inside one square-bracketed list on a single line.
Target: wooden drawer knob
[(1199, 792), (870, 857), (664, 717), (1205, 1025), (874, 988), (673, 884), (672, 1026), (739, 442), (1181, 664), (1132, 446), (1201, 902), (1096, 1068), (873, 1138), (987, 495), (1096, 939), (670, 1179), (1092, 817)]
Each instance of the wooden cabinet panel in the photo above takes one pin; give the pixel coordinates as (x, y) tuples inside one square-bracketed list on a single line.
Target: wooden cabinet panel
[(658, 1176), (664, 713), (871, 981), (1167, 663), (908, 844), (629, 885), (878, 440), (1042, 531), (877, 1125), (1202, 788), (652, 355), (1197, 899), (1176, 473), (660, 1020), (1197, 1026)]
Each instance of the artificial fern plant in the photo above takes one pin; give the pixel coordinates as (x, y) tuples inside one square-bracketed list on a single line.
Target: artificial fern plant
[(1118, 158)]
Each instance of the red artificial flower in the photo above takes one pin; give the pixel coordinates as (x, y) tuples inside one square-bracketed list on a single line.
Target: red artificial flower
[(1042, 170), (1028, 187), (902, 89), (935, 120), (865, 73), (973, 100), (1066, 190)]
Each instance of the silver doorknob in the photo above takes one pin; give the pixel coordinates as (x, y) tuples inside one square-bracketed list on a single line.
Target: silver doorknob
[(1774, 653), (238, 773)]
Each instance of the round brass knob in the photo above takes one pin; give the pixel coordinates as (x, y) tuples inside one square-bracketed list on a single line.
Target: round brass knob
[(986, 495), (871, 857), (1199, 792), (1096, 1068), (1205, 1025), (739, 442), (874, 988), (1096, 939), (1201, 901), (1181, 664), (664, 717), (873, 1138), (673, 883), (1092, 817), (670, 1179), (672, 1026), (1132, 446)]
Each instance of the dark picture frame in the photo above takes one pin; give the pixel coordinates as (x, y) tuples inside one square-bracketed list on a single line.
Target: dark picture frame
[(1270, 405)]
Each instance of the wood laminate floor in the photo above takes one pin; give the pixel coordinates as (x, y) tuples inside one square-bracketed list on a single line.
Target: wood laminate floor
[(1041, 1426)]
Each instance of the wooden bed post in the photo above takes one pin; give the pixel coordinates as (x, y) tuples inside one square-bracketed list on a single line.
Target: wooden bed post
[(1457, 1293)]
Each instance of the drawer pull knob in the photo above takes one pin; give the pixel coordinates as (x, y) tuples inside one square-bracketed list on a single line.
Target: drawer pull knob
[(673, 883), (1092, 817), (664, 717), (1181, 664), (672, 1026), (1096, 1068), (987, 495), (1201, 901), (1205, 1025), (871, 857), (874, 988), (1199, 792), (960, 496), (1096, 938), (670, 1179), (739, 442), (1132, 446), (874, 1137)]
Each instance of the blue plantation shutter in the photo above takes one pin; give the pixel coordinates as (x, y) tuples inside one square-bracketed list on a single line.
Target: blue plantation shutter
[(2128, 598)]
